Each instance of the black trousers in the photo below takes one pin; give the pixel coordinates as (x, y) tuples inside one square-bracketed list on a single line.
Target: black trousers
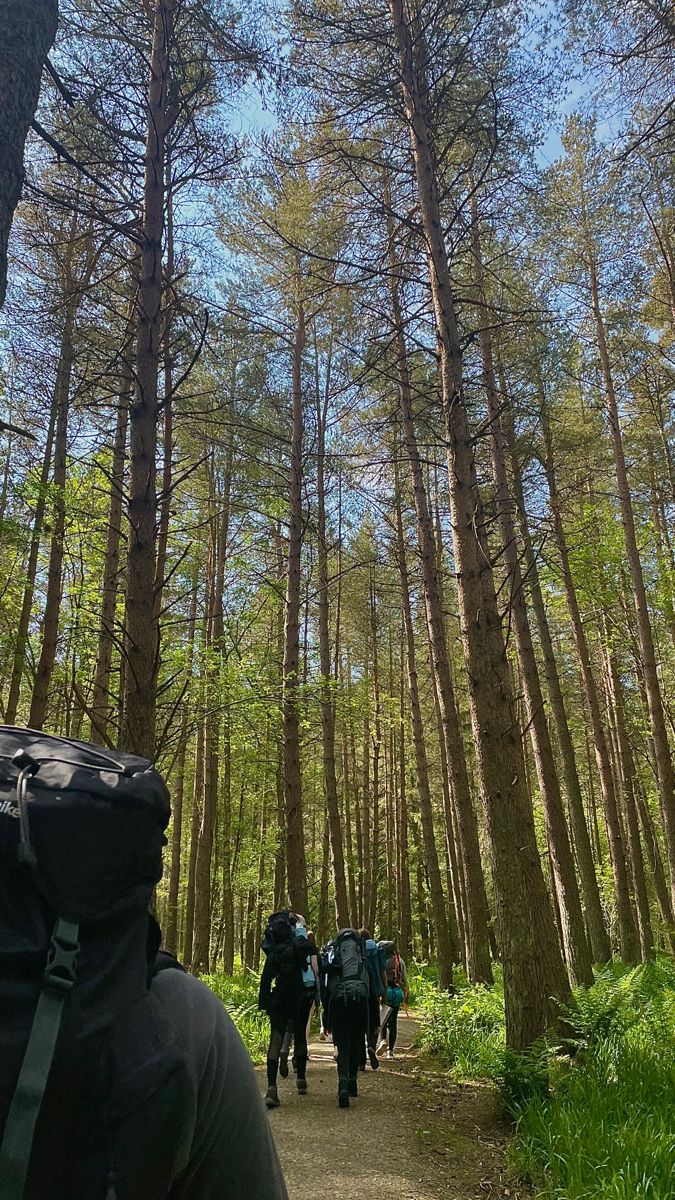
[(285, 1007), (348, 1023)]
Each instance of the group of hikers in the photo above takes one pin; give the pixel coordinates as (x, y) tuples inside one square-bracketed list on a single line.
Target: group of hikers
[(356, 983)]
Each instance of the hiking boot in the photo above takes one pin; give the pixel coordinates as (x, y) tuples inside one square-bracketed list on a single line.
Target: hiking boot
[(374, 1060), (272, 1098), (343, 1099), (301, 1085), (283, 1066)]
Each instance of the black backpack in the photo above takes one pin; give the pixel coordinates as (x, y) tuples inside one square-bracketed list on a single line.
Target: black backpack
[(81, 838), (283, 950), (347, 968)]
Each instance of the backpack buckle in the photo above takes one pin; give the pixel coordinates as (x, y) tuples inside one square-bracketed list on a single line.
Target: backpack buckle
[(61, 969)]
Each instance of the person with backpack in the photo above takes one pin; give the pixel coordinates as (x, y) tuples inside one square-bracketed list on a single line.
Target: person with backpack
[(310, 978), (121, 1076), (377, 993), (289, 985), (348, 991), (397, 994)]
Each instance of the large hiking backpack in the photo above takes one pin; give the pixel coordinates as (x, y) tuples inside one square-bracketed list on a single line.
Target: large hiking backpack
[(283, 949), (81, 1041), (347, 968)]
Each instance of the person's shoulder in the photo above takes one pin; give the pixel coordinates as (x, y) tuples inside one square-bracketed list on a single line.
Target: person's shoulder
[(195, 1012)]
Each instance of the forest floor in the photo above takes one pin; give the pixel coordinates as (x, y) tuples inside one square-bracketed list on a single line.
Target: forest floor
[(410, 1135)]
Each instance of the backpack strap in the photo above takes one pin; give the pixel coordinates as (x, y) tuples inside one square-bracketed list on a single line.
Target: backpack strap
[(17, 1141)]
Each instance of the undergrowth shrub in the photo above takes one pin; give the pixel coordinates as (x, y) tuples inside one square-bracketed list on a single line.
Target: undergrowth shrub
[(465, 1030), (239, 994), (597, 1124), (607, 1129)]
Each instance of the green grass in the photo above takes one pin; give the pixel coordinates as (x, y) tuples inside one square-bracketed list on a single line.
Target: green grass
[(239, 994), (603, 1125)]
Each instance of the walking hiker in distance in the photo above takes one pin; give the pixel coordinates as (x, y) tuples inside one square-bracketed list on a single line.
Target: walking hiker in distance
[(377, 981), (397, 994), (348, 990), (289, 986)]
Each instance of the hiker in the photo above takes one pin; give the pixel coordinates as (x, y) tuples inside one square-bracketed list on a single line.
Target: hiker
[(348, 990), (397, 994), (289, 985), (120, 1075), (377, 978), (312, 982)]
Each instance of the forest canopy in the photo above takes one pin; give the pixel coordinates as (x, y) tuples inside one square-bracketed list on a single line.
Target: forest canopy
[(336, 461)]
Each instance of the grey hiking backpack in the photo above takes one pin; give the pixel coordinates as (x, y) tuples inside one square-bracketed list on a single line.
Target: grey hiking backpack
[(347, 968)]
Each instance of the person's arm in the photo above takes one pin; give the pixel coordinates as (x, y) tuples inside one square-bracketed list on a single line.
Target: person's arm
[(404, 979), (230, 1153), (314, 961)]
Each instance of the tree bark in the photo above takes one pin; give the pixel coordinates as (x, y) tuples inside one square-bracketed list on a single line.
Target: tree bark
[(444, 948), (295, 843), (535, 980), (635, 856), (404, 908), (477, 914), (655, 709), (21, 641), (575, 944), (598, 936), (141, 614), (327, 676), (28, 32), (50, 620), (100, 708), (627, 932), (374, 878)]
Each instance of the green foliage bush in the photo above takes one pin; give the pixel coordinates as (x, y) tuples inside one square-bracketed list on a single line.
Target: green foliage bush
[(607, 1129), (466, 1030), (239, 994), (599, 1123)]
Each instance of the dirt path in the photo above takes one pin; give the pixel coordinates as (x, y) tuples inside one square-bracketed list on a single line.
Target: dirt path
[(407, 1137)]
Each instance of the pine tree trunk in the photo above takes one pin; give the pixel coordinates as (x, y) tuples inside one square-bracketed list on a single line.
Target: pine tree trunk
[(404, 907), (195, 823), (28, 31), (50, 620), (664, 762), (627, 931), (21, 641), (575, 944), (627, 767), (295, 836), (442, 938), (535, 980), (656, 866), (374, 877), (100, 708), (141, 614), (177, 796), (598, 936), (327, 677), (476, 914)]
